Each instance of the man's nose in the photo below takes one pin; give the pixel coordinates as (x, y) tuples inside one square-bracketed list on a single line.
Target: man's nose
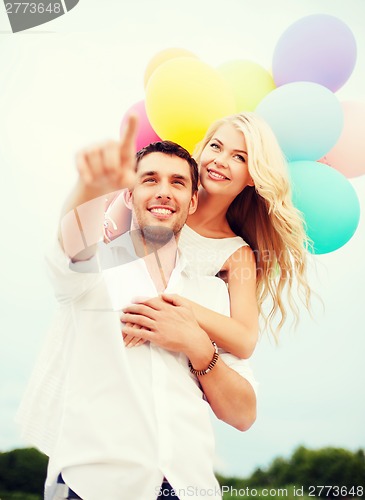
[(164, 191)]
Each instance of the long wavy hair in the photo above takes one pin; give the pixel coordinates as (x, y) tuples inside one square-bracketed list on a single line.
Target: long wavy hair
[(265, 217)]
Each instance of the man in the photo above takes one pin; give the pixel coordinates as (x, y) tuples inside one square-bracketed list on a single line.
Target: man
[(128, 418)]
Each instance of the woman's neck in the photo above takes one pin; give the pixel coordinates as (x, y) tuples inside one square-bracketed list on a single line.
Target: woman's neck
[(210, 214)]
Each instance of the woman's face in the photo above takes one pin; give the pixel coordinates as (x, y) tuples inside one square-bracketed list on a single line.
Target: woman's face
[(224, 163)]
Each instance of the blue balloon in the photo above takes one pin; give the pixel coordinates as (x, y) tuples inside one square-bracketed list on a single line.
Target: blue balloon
[(306, 118), (329, 204)]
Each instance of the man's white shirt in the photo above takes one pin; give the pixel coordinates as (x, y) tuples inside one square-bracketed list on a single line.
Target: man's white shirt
[(114, 420)]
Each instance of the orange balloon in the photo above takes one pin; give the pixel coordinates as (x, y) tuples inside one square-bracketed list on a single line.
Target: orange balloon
[(163, 56)]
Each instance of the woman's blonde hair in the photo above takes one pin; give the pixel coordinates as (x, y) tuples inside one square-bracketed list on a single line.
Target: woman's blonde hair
[(265, 217)]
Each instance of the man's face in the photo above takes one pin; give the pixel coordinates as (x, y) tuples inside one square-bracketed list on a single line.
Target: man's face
[(162, 198)]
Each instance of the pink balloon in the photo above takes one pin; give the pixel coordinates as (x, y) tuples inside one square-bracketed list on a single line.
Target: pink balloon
[(348, 154), (146, 134)]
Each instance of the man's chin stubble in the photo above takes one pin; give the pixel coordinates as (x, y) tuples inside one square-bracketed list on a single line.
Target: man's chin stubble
[(158, 235)]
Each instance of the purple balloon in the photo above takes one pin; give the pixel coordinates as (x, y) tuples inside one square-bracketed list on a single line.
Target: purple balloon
[(318, 48), (145, 134)]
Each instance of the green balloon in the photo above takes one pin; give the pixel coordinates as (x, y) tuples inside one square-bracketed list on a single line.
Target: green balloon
[(329, 204)]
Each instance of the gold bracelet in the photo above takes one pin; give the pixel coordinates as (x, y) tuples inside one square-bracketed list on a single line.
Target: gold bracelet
[(210, 366)]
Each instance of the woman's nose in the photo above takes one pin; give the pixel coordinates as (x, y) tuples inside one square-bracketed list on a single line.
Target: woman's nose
[(221, 160)]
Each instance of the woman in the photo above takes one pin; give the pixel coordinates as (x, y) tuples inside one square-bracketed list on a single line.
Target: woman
[(245, 216)]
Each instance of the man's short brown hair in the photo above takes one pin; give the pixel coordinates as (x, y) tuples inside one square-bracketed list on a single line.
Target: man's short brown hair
[(172, 149)]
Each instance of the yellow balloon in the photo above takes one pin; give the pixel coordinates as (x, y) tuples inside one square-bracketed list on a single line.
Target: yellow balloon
[(183, 97), (249, 83), (164, 56)]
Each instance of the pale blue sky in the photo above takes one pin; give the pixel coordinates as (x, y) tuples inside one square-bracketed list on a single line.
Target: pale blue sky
[(67, 84)]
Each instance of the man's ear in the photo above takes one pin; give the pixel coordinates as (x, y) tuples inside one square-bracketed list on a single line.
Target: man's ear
[(128, 198), (193, 203)]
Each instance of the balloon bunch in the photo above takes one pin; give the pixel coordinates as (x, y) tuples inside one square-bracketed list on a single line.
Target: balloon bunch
[(319, 135)]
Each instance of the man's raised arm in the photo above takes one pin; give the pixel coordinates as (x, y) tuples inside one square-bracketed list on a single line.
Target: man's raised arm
[(102, 170)]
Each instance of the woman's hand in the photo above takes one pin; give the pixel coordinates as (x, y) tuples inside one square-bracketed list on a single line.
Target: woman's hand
[(168, 322), (132, 340), (175, 300)]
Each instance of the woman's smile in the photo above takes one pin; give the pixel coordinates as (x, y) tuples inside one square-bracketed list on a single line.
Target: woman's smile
[(216, 175)]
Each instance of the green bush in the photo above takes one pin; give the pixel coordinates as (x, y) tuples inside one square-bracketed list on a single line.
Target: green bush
[(23, 470)]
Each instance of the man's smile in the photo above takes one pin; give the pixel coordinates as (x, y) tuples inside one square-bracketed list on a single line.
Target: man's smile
[(161, 211)]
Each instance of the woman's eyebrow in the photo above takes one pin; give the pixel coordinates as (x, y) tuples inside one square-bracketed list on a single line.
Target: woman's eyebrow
[(236, 150), (216, 139)]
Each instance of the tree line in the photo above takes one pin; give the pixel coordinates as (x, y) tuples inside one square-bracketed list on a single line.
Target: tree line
[(326, 466), (23, 472)]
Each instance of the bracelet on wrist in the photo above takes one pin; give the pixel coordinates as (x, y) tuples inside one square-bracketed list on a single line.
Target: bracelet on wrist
[(210, 366)]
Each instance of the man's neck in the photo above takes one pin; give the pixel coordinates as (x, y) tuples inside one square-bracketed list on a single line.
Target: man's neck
[(160, 257)]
